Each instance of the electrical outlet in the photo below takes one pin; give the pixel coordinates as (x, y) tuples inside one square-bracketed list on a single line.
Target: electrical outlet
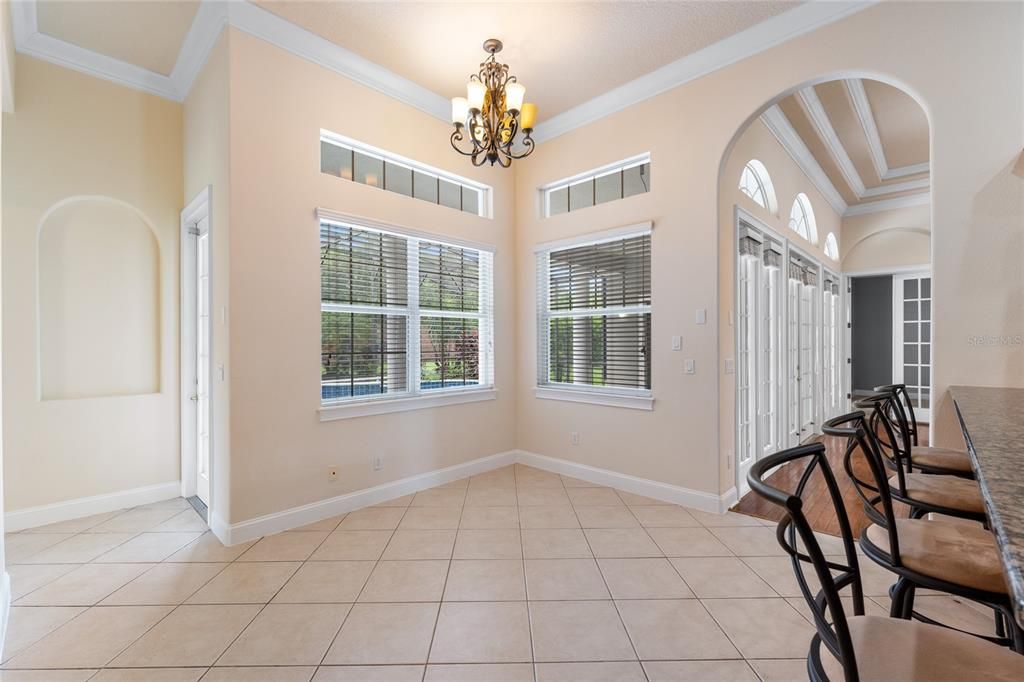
[(378, 463), (574, 438), (332, 473)]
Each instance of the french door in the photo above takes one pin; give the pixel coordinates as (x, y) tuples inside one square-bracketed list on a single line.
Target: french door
[(803, 353), (912, 336), (201, 397)]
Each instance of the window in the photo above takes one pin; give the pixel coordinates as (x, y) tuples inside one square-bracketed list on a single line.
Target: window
[(594, 319), (757, 184), (351, 160), (608, 183), (801, 219), (831, 247), (401, 316)]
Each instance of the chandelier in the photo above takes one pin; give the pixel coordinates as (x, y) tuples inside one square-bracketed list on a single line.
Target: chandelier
[(492, 114)]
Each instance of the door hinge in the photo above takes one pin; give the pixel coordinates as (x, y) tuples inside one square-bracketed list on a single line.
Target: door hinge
[(849, 361)]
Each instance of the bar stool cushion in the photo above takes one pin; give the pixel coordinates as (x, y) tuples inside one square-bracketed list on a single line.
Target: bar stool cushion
[(941, 458), (952, 552), (890, 649), (962, 494)]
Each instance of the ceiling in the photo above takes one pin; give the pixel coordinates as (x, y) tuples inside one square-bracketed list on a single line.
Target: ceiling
[(869, 138)]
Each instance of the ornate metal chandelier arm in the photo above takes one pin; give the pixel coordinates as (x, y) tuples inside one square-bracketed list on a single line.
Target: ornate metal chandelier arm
[(529, 145), (456, 137)]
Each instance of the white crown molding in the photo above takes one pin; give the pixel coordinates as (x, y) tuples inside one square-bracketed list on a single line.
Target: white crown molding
[(862, 107), (922, 183), (808, 99), (782, 129), (912, 169), (211, 18), (921, 199), (796, 22)]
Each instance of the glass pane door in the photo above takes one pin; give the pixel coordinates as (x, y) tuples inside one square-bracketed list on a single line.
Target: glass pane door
[(912, 364)]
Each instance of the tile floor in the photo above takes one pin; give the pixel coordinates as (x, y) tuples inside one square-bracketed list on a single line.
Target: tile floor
[(516, 574)]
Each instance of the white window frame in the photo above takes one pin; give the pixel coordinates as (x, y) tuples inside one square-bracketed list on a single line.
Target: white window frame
[(609, 396), (763, 180), (801, 214), (592, 174), (416, 398), (486, 191), (832, 246)]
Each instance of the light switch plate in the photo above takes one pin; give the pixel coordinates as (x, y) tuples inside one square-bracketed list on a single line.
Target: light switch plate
[(690, 367), (730, 366), (702, 316), (677, 343)]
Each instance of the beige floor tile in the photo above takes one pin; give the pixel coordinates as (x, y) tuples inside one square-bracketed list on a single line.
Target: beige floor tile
[(665, 516), (27, 578), (420, 544), (564, 580), (482, 632), (171, 503), (724, 520), (134, 521), (711, 577), (293, 546), (79, 525), (491, 497), (91, 639), (643, 579), (85, 585), (149, 675), (777, 571), (25, 625), (876, 580), (325, 582), (440, 497), (406, 581), (19, 547), (147, 547), (677, 629), (384, 634), (719, 671), (164, 584), (481, 518), (375, 673), (190, 636), (478, 672), (457, 484), (633, 499), (606, 517), (750, 540), (353, 545), (403, 501), (328, 525), (431, 518), (780, 670), (594, 497), (610, 671), (686, 542), (287, 634), (621, 543), (373, 518), (80, 675), (488, 544), (208, 548), (539, 481), (261, 674), (570, 482), (555, 543), (78, 549), (763, 628), (548, 517), (871, 607), (952, 611), (250, 583), (485, 580), (187, 520), (542, 497), (565, 631)]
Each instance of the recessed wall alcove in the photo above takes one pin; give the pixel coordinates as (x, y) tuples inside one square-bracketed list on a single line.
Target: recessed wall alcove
[(99, 300)]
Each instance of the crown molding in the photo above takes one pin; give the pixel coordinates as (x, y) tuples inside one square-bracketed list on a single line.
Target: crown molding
[(922, 199), (862, 107), (912, 169), (211, 18), (881, 190), (812, 106), (782, 129)]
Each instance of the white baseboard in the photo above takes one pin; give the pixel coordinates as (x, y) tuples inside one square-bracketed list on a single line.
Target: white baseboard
[(20, 519), (728, 500), (5, 606), (234, 534)]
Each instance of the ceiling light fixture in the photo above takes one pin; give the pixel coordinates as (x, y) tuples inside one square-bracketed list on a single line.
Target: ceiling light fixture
[(493, 113)]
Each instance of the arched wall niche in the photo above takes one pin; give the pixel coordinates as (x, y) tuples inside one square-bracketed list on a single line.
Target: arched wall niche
[(98, 300)]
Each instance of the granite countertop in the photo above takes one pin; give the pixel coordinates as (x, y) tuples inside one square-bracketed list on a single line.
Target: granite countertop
[(993, 423)]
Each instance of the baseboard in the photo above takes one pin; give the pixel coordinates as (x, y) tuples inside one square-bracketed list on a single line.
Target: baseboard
[(666, 492), (728, 500), (233, 534), (20, 519), (5, 606)]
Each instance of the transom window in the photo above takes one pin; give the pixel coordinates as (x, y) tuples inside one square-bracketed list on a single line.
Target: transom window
[(401, 315), (801, 219), (757, 184), (608, 183), (831, 246), (594, 308)]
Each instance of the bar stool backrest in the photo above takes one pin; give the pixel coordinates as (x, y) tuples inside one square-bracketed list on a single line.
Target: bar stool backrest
[(905, 405), (882, 426), (798, 540)]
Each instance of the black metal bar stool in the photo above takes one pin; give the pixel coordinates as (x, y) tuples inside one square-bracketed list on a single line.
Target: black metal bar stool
[(955, 558), (859, 647), (924, 458)]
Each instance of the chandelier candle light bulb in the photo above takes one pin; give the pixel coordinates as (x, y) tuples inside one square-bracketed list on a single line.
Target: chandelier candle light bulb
[(492, 123)]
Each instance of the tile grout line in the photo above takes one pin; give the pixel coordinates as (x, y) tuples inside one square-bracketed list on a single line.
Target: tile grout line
[(526, 585), (440, 604)]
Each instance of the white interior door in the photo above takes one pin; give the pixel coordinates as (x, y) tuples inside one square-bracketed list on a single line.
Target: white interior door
[(807, 371), (912, 332), (746, 381), (201, 397)]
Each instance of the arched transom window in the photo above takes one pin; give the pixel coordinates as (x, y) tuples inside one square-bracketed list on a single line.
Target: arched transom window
[(801, 219), (831, 246), (757, 184)]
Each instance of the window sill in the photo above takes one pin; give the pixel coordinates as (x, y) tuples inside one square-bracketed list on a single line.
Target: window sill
[(633, 402), (366, 408)]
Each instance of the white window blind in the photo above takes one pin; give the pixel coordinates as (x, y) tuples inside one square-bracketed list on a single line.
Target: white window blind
[(401, 315), (594, 315)]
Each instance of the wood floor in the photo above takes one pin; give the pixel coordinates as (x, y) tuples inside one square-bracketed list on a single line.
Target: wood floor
[(817, 502)]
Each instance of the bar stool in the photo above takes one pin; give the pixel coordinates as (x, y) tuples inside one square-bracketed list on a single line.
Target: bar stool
[(955, 558), (930, 460), (859, 647), (923, 493)]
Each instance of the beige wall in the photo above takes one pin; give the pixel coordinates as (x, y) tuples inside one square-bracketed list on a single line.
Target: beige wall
[(280, 451), (888, 239), (74, 136), (977, 231)]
